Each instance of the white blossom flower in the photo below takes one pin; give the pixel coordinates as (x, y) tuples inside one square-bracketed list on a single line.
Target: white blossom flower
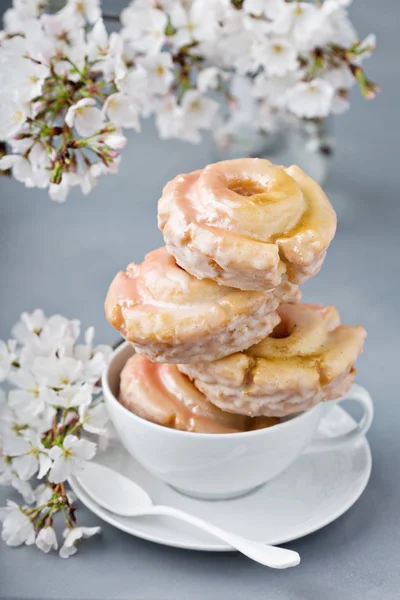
[(311, 99), (27, 403), (304, 18), (29, 456), (17, 527), (123, 110), (42, 494), (13, 114), (267, 8), (57, 335), (144, 28), (169, 117), (198, 110), (29, 326), (70, 458), (136, 86), (46, 539), (27, 9), (90, 177), (277, 55), (106, 51), (57, 372), (59, 192), (274, 89), (94, 358), (21, 168), (29, 392), (194, 22), (12, 21), (237, 51), (340, 78), (85, 117), (87, 180), (33, 170), (64, 27), (67, 51), (20, 418), (11, 423), (70, 396), (94, 418), (332, 25), (98, 41), (74, 535), (24, 488), (208, 79), (159, 71), (7, 357), (20, 74), (62, 35), (86, 10)]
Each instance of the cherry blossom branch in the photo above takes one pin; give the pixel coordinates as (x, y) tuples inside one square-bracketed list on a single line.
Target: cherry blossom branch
[(76, 79), (48, 434)]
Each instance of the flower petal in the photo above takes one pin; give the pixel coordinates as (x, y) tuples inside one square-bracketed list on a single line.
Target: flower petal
[(45, 464)]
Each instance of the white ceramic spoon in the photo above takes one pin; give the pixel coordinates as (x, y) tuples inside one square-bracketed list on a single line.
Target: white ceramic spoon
[(122, 496)]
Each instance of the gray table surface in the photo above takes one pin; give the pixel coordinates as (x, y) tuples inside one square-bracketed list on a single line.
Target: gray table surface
[(62, 258)]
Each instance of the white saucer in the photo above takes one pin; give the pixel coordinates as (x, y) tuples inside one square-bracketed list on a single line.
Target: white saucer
[(317, 489)]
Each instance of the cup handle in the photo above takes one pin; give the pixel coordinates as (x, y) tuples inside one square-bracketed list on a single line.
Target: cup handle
[(359, 394)]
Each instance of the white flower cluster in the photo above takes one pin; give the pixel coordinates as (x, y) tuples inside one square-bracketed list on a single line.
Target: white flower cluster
[(61, 107), (53, 399), (68, 88)]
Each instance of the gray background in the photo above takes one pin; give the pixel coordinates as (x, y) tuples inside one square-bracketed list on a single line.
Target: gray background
[(62, 258)]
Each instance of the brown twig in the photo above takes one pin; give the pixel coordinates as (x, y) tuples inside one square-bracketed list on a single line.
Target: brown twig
[(54, 427), (114, 18)]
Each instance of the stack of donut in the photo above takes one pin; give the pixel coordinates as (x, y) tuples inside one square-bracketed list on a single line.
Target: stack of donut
[(222, 341)]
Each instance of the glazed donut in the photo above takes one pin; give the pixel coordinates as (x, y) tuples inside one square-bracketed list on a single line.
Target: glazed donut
[(170, 316), (308, 358), (161, 394), (246, 222)]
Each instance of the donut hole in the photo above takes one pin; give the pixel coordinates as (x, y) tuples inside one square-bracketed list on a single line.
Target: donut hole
[(281, 331), (245, 187)]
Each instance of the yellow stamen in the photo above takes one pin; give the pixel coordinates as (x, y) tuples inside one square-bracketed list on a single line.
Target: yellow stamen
[(18, 116)]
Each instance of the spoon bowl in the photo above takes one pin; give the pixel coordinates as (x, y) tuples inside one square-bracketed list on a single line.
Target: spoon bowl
[(113, 491)]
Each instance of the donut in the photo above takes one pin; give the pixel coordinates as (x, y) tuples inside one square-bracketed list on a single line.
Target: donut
[(170, 316), (161, 394), (308, 358), (247, 223)]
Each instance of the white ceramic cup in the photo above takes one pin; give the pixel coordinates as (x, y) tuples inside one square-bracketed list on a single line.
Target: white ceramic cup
[(221, 466)]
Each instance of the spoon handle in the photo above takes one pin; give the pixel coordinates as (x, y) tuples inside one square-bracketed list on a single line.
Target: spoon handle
[(270, 556)]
